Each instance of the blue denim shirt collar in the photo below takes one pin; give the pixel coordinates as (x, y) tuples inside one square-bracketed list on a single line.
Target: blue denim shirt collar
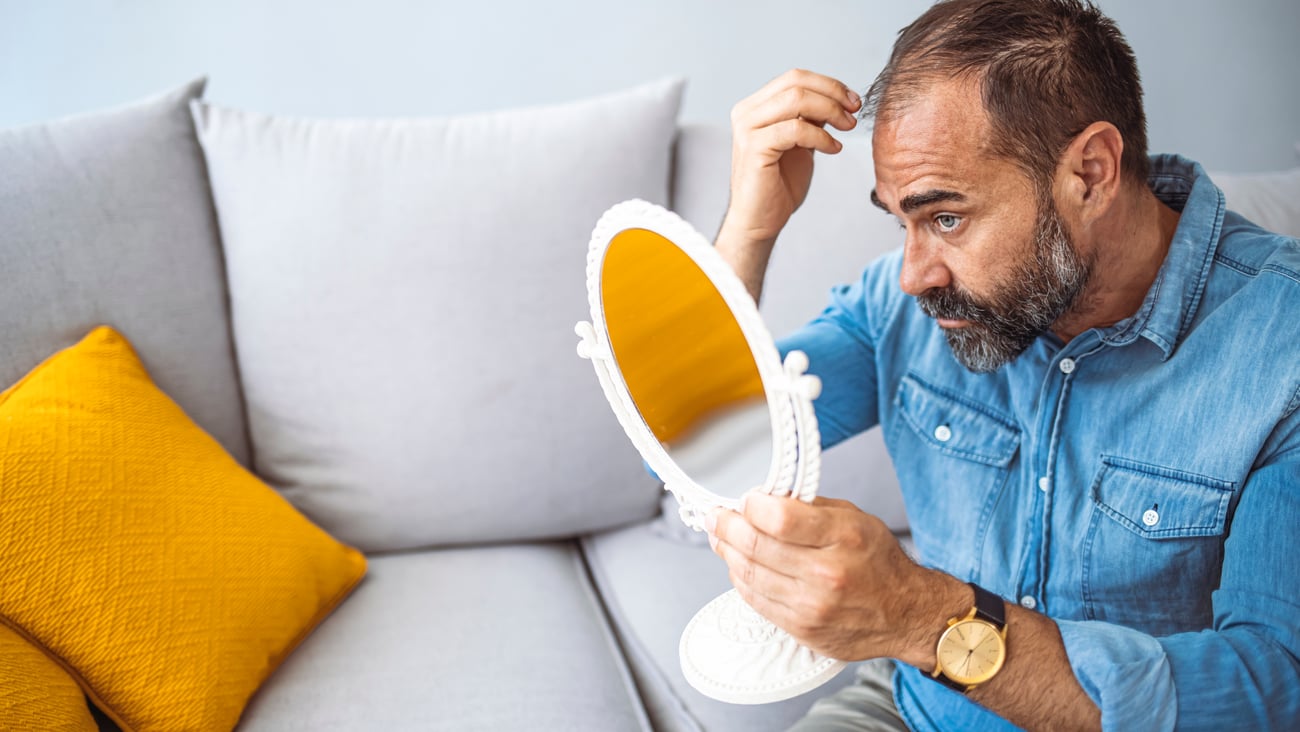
[(1170, 305)]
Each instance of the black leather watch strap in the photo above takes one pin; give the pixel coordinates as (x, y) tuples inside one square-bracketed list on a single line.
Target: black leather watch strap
[(960, 688), (989, 606)]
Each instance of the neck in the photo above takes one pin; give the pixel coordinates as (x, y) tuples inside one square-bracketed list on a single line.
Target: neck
[(1126, 249)]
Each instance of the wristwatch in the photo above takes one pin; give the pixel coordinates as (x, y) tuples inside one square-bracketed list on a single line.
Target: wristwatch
[(973, 648)]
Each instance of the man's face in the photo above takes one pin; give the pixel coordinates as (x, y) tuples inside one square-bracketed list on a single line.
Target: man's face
[(986, 255)]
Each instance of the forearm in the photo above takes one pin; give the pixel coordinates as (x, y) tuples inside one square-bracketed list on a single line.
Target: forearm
[(746, 255), (1063, 675), (1036, 688)]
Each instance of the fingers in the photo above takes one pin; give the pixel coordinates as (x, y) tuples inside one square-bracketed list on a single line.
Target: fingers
[(819, 84), (792, 111), (792, 133), (736, 540), (752, 561), (793, 521), (775, 133), (798, 102), (750, 572)]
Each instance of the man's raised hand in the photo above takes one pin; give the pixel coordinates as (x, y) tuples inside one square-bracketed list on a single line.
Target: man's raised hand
[(774, 133)]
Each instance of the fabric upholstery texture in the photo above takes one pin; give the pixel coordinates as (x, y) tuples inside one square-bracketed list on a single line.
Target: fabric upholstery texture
[(404, 294), (137, 551), (36, 693), (107, 218), (654, 577), (508, 637)]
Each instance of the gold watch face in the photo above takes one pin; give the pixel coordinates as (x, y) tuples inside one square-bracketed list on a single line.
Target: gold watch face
[(971, 651)]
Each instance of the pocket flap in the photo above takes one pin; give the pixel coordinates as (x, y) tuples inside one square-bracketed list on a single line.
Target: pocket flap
[(1161, 503), (957, 426)]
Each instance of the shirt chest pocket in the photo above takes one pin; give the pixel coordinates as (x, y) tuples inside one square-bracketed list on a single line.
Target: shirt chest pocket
[(1155, 546), (957, 457)]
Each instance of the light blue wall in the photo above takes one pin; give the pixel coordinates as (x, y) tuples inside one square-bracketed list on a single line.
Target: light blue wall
[(1222, 78)]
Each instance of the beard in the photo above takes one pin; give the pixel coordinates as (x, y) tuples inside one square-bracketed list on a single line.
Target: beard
[(1039, 291)]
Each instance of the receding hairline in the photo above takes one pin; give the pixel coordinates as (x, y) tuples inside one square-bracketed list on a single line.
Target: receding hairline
[(923, 83)]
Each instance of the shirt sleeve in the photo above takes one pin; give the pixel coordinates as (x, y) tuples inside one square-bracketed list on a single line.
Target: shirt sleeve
[(841, 348), (1244, 673)]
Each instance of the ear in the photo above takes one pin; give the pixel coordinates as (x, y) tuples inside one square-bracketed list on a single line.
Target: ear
[(1088, 176)]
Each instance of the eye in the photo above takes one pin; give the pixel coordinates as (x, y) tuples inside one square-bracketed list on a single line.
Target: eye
[(947, 223)]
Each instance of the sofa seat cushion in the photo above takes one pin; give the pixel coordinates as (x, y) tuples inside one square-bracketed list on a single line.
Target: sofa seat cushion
[(508, 637), (654, 577)]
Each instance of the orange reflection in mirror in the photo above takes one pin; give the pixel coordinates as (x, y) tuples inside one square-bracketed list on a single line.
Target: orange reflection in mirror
[(679, 348)]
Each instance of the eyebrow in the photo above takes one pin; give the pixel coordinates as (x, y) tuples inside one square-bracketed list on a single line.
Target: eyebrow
[(919, 200)]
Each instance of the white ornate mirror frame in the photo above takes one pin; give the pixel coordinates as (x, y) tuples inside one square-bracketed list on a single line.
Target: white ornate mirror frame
[(728, 651)]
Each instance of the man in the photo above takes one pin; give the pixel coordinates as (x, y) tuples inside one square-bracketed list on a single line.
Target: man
[(1088, 377)]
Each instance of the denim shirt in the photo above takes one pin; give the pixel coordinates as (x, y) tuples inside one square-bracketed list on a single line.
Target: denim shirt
[(1139, 485)]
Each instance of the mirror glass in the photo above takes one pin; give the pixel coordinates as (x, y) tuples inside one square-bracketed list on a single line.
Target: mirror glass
[(686, 363)]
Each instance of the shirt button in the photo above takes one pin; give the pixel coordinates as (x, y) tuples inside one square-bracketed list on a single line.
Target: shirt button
[(1067, 365), (942, 433), (1150, 518), (1042, 483), (1028, 602)]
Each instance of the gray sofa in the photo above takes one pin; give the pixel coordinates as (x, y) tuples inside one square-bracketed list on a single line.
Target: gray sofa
[(376, 317)]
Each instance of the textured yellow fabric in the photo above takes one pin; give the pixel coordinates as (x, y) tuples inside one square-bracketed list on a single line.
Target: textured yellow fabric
[(137, 551), (35, 693)]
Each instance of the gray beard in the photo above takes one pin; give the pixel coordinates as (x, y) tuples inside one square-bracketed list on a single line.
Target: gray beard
[(1036, 295)]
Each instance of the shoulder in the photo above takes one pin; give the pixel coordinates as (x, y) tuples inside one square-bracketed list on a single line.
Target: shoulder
[(870, 301), (1253, 299), (1254, 252)]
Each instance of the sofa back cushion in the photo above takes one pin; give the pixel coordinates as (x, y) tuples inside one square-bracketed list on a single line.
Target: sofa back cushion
[(404, 294), (107, 218), (1271, 200)]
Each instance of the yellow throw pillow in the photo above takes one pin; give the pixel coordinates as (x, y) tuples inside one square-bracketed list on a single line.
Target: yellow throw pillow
[(35, 693), (136, 551)]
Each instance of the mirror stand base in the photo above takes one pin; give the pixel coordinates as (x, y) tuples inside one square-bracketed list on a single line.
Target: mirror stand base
[(731, 653)]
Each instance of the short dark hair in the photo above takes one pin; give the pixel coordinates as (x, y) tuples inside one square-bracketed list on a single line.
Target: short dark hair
[(1046, 68)]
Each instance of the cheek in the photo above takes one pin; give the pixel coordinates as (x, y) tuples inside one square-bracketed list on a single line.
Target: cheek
[(991, 253)]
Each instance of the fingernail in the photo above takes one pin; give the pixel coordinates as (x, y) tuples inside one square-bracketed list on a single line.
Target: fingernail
[(713, 542), (854, 98), (711, 523)]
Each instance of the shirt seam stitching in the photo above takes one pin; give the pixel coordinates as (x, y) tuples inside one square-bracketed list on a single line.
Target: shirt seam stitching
[(1003, 419), (1293, 404), (1233, 264), (1290, 274), (1215, 237)]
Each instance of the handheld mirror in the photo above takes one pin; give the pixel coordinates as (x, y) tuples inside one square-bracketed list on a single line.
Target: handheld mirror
[(696, 382)]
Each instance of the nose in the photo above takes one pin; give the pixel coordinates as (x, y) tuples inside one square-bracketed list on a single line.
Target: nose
[(923, 267)]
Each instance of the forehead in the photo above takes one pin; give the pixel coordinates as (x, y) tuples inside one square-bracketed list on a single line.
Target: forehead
[(937, 139)]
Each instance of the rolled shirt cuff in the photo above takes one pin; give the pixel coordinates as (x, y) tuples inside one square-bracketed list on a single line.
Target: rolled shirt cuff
[(1125, 672)]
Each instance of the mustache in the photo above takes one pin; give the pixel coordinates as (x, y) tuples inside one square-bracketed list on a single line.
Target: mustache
[(949, 303)]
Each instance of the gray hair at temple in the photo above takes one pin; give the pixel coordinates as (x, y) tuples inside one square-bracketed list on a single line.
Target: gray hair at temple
[(1046, 68)]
